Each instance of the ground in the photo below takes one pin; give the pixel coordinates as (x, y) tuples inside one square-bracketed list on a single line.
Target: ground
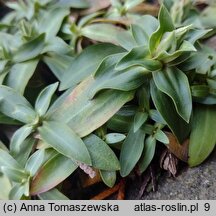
[(191, 184)]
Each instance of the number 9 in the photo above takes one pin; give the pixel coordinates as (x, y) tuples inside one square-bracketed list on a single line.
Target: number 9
[(207, 206)]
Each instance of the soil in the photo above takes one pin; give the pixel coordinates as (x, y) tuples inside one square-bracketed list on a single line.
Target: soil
[(196, 183)]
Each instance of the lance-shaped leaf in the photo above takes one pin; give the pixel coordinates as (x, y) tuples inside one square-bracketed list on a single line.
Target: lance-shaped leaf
[(131, 151), (174, 83), (53, 172), (138, 56), (139, 119), (30, 49), (15, 174), (166, 25), (148, 153), (15, 105), (44, 98), (20, 74), (102, 156), (107, 77), (18, 138), (122, 120), (35, 161), (203, 136), (107, 33), (82, 114), (7, 160), (58, 64), (86, 63), (166, 108), (65, 141), (112, 138), (51, 21), (53, 194), (108, 177), (17, 191)]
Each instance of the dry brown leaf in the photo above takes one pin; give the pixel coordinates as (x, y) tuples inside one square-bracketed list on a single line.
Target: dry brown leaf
[(179, 150)]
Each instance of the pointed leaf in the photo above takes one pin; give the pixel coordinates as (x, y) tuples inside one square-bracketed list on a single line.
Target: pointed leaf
[(20, 75), (101, 154), (18, 138), (166, 108), (7, 160), (82, 114), (15, 105), (65, 141), (44, 98), (53, 172), (108, 177), (203, 136), (148, 153), (131, 151), (34, 162), (51, 21), (138, 56), (14, 174), (166, 25), (161, 137), (139, 119), (30, 49), (174, 83), (86, 63), (112, 138), (17, 191)]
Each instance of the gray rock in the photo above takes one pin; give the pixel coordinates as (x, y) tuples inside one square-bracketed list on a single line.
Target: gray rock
[(191, 184)]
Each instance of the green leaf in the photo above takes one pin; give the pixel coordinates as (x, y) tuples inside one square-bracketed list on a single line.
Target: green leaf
[(122, 120), (161, 137), (53, 172), (5, 187), (87, 63), (65, 141), (166, 25), (15, 105), (131, 151), (44, 98), (174, 83), (58, 64), (108, 177), (203, 136), (25, 150), (30, 49), (101, 154), (139, 119), (18, 138), (139, 34), (20, 75), (17, 191), (51, 21), (166, 108), (148, 153), (106, 77), (7, 160), (132, 3), (82, 114), (53, 194), (104, 32), (138, 56), (14, 174), (200, 90), (35, 162), (112, 138)]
